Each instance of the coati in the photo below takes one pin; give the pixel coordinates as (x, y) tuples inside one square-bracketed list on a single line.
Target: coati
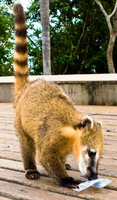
[(47, 122)]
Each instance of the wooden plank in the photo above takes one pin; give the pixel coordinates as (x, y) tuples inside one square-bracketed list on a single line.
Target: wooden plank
[(8, 136), (110, 135), (102, 110), (18, 166), (43, 185), (18, 192), (104, 169), (11, 167), (5, 137), (9, 141), (11, 132), (108, 145), (16, 156), (4, 144), (110, 148), (106, 160), (99, 194), (109, 155), (108, 140), (11, 128), (112, 162), (9, 147), (3, 198)]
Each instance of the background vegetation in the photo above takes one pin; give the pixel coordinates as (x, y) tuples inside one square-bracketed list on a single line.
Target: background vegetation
[(78, 32)]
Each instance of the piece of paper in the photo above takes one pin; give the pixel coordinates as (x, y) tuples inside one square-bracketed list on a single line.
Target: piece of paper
[(99, 183)]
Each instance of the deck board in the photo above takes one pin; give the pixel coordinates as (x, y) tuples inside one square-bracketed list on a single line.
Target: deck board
[(14, 185)]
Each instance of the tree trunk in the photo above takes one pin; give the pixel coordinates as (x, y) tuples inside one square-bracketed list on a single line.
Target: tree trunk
[(112, 39), (44, 10), (113, 35)]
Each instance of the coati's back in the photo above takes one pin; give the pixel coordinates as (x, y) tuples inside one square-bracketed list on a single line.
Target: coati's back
[(21, 53)]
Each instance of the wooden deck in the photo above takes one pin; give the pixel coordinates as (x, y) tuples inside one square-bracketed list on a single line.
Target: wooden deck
[(14, 185)]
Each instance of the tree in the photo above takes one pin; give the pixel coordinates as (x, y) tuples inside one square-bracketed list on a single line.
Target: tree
[(6, 41), (113, 34), (77, 39), (78, 32), (44, 8), (78, 36)]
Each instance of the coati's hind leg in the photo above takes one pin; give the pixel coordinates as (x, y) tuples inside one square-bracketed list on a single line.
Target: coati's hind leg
[(28, 154)]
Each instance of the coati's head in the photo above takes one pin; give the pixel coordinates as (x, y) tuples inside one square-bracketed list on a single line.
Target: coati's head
[(91, 145), (87, 140)]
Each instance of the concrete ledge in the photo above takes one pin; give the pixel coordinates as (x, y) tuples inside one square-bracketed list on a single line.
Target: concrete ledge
[(94, 89), (64, 78)]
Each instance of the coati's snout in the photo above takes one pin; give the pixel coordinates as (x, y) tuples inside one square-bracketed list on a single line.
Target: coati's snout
[(92, 169), (88, 163), (91, 173), (91, 142)]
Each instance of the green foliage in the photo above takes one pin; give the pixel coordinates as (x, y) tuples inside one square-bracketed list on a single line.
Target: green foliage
[(34, 39), (72, 55), (6, 41), (79, 37)]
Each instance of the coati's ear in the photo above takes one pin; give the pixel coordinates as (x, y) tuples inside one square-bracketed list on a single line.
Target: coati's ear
[(87, 121), (99, 123)]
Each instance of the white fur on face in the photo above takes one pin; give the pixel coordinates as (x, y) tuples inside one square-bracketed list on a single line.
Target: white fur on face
[(82, 165), (83, 159)]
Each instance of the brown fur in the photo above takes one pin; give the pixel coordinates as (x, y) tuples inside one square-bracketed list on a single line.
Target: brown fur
[(21, 53), (46, 119)]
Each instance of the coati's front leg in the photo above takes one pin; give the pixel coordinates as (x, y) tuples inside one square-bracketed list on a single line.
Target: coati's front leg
[(63, 160), (57, 170), (28, 154)]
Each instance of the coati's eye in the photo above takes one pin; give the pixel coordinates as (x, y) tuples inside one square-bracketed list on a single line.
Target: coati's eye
[(92, 153)]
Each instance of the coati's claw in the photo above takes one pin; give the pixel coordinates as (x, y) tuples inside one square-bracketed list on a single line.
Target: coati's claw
[(32, 174), (68, 167), (69, 182)]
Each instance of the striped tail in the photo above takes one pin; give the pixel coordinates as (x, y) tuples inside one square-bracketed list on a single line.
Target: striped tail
[(21, 52)]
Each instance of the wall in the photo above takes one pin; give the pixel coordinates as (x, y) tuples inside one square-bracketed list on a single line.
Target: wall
[(100, 89), (92, 93), (6, 92)]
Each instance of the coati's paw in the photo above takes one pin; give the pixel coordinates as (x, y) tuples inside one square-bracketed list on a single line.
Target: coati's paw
[(32, 174), (69, 182), (68, 167)]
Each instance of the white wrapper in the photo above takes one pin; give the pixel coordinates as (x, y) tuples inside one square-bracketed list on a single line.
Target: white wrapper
[(99, 183)]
